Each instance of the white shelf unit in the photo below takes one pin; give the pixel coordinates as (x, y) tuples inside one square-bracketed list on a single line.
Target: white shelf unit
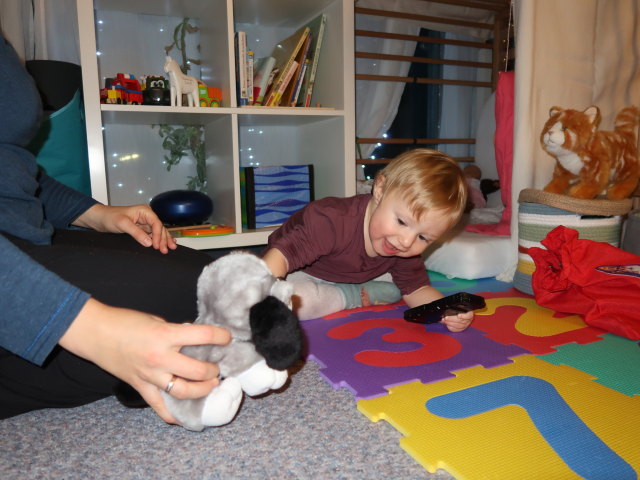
[(125, 152)]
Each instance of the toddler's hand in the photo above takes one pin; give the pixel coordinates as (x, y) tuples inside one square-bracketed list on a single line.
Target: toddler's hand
[(459, 322)]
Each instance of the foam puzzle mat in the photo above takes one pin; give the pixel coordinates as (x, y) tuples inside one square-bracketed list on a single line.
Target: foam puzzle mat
[(524, 393)]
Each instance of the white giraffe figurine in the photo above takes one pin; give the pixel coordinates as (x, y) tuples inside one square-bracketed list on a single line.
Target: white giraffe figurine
[(181, 84)]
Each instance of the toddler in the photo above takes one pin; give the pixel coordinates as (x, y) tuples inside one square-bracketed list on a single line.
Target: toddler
[(340, 252)]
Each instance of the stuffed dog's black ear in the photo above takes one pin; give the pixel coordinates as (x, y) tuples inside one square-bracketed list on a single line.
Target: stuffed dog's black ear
[(276, 333)]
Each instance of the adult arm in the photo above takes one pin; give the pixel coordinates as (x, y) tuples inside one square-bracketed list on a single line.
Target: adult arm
[(41, 310), (144, 351), (37, 305), (32, 204), (139, 221), (64, 207)]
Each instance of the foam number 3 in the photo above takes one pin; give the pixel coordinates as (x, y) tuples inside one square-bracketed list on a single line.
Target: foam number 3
[(563, 430), (429, 347)]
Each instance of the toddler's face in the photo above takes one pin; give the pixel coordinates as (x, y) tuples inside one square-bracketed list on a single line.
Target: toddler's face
[(395, 231)]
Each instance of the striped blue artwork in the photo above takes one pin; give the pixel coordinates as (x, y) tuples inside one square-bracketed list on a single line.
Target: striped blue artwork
[(280, 191)]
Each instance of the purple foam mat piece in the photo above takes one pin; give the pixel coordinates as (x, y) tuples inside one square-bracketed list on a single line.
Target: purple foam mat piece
[(358, 351)]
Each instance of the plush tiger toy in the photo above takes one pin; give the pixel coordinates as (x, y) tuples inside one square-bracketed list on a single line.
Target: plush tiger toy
[(590, 162)]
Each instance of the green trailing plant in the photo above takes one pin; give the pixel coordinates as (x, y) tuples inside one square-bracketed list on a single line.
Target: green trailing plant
[(180, 43), (183, 140), (180, 141)]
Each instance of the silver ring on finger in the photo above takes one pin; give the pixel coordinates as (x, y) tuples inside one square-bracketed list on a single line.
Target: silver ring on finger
[(170, 385)]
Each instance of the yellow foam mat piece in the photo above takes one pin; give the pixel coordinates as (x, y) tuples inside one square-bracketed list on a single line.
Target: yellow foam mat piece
[(535, 321), (542, 421)]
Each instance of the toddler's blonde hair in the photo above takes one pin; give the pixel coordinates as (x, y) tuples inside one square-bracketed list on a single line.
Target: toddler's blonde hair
[(427, 179)]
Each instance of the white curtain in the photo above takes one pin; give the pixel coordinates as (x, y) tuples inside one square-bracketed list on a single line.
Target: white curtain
[(377, 102), (461, 106), (41, 29), (570, 53)]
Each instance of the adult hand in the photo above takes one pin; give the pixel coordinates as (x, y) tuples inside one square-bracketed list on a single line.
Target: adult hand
[(459, 322), (144, 351), (139, 221)]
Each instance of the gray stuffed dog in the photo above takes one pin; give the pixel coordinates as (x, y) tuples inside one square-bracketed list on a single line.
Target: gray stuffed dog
[(239, 293)]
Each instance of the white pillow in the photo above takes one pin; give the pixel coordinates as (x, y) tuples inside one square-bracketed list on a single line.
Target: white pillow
[(469, 255)]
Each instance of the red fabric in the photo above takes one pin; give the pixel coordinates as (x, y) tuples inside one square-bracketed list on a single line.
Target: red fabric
[(503, 143), (593, 279)]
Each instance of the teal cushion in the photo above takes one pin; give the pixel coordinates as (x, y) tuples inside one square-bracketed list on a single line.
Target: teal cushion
[(60, 146)]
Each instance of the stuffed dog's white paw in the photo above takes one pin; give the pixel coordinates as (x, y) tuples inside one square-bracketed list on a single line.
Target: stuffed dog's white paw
[(260, 379), (223, 403)]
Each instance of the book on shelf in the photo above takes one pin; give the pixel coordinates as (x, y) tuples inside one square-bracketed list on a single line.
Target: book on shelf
[(298, 86), (317, 28), (275, 94), (263, 72), (271, 194), (285, 52), (249, 76), (287, 95), (272, 76), (241, 68)]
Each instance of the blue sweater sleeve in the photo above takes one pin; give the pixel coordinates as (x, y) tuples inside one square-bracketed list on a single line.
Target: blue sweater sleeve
[(37, 305), (62, 205), (31, 203)]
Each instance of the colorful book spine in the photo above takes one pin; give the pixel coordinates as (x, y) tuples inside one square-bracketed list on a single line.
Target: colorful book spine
[(317, 27), (263, 71), (241, 67), (272, 77), (298, 87), (276, 96), (249, 77), (300, 58), (285, 53)]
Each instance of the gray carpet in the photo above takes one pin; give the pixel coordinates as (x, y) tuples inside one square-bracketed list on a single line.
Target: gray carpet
[(306, 431)]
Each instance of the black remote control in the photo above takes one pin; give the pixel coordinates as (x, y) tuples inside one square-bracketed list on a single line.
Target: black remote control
[(451, 305)]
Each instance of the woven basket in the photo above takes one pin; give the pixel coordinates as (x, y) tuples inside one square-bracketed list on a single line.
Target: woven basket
[(540, 212), (631, 233)]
